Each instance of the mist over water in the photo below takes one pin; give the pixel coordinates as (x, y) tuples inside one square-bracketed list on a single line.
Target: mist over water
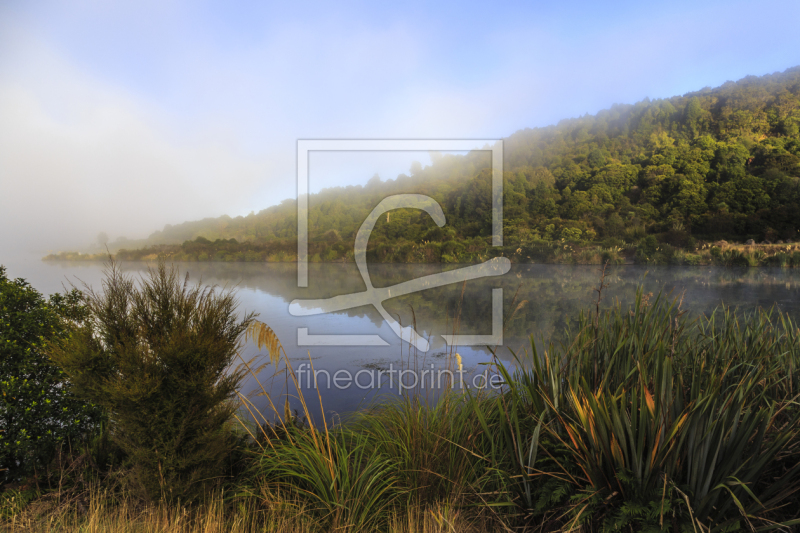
[(547, 300)]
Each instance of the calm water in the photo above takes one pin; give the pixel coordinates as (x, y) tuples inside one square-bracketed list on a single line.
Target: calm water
[(551, 296)]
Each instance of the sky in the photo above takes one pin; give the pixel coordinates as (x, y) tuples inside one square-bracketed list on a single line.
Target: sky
[(125, 116)]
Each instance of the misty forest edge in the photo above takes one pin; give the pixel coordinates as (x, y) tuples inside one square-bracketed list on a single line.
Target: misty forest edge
[(711, 177)]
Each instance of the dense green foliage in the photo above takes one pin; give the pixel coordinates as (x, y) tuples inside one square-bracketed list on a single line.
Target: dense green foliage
[(157, 357), (717, 163), (38, 411)]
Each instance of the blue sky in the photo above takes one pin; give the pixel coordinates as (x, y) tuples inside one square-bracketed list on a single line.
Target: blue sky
[(122, 117)]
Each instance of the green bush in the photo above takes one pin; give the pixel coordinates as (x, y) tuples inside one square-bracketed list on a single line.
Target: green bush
[(692, 259), (734, 258), (157, 356), (646, 250), (38, 411), (428, 442), (335, 473), (571, 234), (781, 259)]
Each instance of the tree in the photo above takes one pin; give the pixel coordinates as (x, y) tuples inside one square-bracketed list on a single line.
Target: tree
[(596, 158), (744, 195), (687, 196), (729, 162), (539, 175), (615, 226), (157, 356), (543, 204), (693, 115), (38, 409), (102, 239)]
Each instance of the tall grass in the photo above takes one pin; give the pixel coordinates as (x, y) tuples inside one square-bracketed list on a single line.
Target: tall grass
[(334, 474), (218, 514), (433, 446)]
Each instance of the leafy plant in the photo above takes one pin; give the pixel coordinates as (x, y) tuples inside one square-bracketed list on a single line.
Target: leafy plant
[(157, 356), (659, 414), (432, 445), (336, 473), (39, 411)]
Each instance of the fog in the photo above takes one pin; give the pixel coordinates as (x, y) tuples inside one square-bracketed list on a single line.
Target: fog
[(123, 119)]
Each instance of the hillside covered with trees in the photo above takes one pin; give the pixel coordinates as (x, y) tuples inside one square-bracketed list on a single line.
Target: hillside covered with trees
[(653, 181)]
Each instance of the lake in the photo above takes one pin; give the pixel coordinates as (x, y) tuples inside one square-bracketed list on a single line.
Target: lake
[(543, 300)]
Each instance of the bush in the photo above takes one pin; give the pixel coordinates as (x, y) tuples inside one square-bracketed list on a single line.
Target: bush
[(781, 259), (691, 259), (613, 242), (676, 237), (156, 355), (334, 473), (646, 250), (38, 411), (571, 234), (734, 258)]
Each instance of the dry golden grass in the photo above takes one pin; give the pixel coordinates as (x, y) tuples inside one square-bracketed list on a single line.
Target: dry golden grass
[(95, 513)]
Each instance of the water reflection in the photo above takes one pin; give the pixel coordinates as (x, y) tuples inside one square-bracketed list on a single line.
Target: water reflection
[(543, 300)]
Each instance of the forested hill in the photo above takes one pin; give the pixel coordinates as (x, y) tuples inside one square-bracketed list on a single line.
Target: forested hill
[(720, 163)]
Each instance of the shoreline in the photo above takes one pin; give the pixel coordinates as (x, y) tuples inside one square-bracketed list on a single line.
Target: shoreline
[(719, 253)]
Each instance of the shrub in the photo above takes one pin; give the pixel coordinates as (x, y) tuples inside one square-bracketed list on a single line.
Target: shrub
[(156, 355), (571, 234), (646, 249), (757, 258), (608, 256), (676, 237), (334, 473), (691, 259), (429, 443), (38, 411), (635, 232), (781, 259), (734, 258)]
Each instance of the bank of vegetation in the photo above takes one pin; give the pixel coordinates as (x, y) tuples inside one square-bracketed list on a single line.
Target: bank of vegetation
[(121, 412), (716, 164), (647, 251)]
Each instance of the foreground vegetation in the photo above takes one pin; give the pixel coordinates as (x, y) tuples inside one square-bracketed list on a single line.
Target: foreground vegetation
[(643, 419), (720, 163)]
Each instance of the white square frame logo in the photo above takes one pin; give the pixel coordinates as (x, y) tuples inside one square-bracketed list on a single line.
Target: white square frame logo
[(304, 146)]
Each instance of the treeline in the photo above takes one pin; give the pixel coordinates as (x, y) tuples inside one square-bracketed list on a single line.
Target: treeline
[(647, 250), (715, 164)]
